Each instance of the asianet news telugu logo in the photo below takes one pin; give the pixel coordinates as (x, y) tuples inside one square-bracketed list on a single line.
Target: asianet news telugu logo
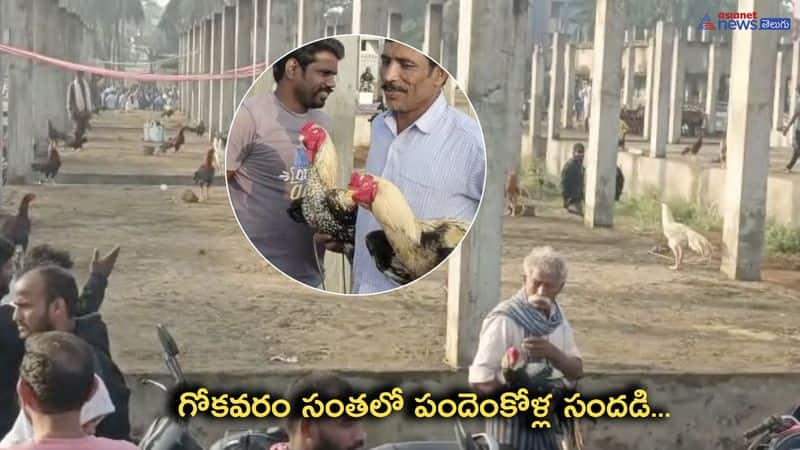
[(744, 21)]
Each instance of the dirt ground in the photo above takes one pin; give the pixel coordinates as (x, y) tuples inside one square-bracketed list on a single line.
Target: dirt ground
[(190, 267)]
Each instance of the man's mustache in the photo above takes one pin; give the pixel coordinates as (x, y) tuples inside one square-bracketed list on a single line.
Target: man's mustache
[(389, 87)]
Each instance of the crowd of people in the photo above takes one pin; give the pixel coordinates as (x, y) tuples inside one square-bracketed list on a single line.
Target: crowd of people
[(144, 96)]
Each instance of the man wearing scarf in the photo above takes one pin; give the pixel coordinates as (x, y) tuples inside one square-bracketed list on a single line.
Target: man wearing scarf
[(533, 322), (79, 104)]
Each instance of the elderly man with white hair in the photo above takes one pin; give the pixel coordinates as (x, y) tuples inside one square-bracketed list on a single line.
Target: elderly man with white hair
[(533, 322)]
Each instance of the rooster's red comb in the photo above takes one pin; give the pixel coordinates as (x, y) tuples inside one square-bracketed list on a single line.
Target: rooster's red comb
[(358, 180), (312, 135)]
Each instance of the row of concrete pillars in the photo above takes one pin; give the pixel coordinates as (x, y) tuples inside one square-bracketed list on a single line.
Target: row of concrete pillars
[(37, 92), (253, 32), (754, 112)]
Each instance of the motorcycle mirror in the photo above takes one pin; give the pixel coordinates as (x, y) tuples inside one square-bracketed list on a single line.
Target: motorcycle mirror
[(167, 342), (464, 440)]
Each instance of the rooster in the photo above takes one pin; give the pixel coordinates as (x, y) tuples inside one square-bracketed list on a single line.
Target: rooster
[(72, 142), (513, 195), (694, 148), (17, 228), (678, 235), (325, 208), (49, 167), (219, 142), (199, 129), (521, 370), (406, 248), (204, 175), (174, 142)]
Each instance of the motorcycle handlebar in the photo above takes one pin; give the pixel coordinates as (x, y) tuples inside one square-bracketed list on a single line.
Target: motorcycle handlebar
[(755, 431)]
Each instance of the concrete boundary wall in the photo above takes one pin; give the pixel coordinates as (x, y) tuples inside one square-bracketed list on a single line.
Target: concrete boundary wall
[(683, 180), (708, 411)]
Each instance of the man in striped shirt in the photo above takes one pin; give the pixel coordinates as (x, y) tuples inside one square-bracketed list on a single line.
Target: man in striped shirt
[(430, 150)]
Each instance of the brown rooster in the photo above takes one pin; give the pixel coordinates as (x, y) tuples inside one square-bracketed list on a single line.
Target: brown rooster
[(175, 142), (204, 175), (513, 195), (73, 142), (17, 228), (406, 248), (49, 167), (694, 148)]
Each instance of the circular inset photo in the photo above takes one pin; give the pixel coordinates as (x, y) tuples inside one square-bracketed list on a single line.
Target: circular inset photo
[(355, 164)]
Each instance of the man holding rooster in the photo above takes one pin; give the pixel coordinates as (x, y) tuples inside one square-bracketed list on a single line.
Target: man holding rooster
[(266, 164), (526, 341), (431, 151)]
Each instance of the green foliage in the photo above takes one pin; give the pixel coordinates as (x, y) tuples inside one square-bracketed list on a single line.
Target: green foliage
[(782, 239)]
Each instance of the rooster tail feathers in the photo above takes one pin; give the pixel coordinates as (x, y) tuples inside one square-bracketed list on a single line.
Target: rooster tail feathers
[(698, 243)]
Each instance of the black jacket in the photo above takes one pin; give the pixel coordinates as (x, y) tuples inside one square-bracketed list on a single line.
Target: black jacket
[(91, 329), (572, 182)]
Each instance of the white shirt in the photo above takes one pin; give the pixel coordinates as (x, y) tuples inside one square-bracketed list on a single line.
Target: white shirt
[(500, 332), (98, 405), (438, 163)]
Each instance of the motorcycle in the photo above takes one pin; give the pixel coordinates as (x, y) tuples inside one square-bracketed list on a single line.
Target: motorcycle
[(166, 433), (777, 432)]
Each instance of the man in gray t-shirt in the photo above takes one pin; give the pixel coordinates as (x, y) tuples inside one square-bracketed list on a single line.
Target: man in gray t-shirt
[(266, 164)]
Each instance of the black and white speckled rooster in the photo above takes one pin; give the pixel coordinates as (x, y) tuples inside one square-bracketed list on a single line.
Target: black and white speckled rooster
[(324, 207)]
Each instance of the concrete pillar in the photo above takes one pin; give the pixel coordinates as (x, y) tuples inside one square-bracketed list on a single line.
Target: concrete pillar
[(51, 29), (215, 86), (227, 63), (434, 21), (677, 88), (628, 74), (779, 94), (192, 69), (661, 89), (648, 89), (310, 25), (366, 17), (394, 24), (267, 16), (244, 47), (201, 57), (601, 154), (182, 66), (794, 82), (536, 109), (569, 85), (205, 86), (20, 92), (516, 81), (450, 36), (343, 108), (282, 38), (556, 86), (712, 85), (747, 168), (259, 42), (474, 268)]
